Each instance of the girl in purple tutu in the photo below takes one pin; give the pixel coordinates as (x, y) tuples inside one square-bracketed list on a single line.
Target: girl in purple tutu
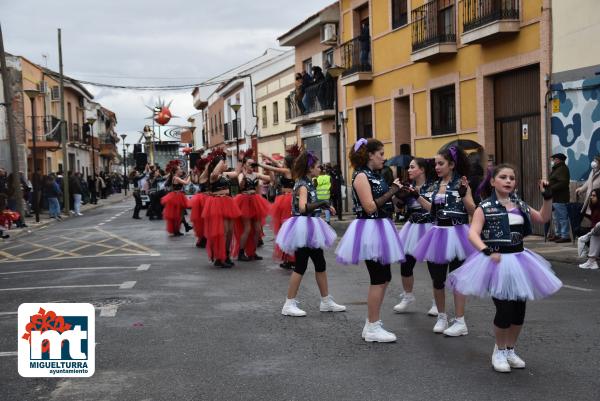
[(372, 236), (305, 235), (445, 246), (503, 269), (419, 222)]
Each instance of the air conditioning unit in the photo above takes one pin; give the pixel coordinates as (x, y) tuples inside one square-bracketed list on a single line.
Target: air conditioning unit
[(329, 34), (55, 94), (43, 87)]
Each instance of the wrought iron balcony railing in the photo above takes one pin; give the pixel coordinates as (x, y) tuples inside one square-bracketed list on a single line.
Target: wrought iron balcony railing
[(433, 23), (356, 55), (477, 13)]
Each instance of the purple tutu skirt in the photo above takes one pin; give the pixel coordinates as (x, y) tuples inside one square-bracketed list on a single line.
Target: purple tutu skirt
[(411, 234), (443, 244), (304, 232), (370, 239), (519, 276)]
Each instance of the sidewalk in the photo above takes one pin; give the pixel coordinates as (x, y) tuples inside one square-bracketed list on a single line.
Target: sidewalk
[(45, 220), (553, 252)]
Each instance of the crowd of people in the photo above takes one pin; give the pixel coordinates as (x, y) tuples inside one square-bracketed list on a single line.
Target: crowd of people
[(45, 192)]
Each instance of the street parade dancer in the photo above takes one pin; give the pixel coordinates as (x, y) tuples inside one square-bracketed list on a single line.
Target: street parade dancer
[(175, 202), (253, 208), (219, 211), (372, 236), (446, 245), (196, 203), (503, 269), (305, 235), (281, 209), (419, 222)]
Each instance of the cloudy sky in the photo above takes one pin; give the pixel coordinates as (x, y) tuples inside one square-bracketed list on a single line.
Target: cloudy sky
[(147, 42)]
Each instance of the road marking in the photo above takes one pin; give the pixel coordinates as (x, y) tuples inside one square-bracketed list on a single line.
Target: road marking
[(138, 268), (108, 311), (7, 313), (57, 257), (123, 286), (577, 288), (10, 353), (149, 250)]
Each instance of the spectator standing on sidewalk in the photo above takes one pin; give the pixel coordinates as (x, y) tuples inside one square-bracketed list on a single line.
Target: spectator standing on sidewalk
[(12, 200), (92, 185), (559, 184), (592, 182), (3, 182), (52, 193), (336, 190), (323, 185), (102, 186), (594, 216), (75, 189)]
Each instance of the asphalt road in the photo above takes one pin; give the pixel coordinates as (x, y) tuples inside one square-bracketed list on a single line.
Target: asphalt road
[(172, 327)]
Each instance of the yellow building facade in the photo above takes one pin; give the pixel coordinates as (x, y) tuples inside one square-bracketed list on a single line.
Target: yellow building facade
[(427, 73)]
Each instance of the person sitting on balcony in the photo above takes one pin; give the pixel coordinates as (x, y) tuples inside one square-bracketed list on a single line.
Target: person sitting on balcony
[(299, 92)]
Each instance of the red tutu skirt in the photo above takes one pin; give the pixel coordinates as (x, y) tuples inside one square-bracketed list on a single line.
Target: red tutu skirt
[(254, 207), (174, 205), (196, 203), (8, 217), (215, 210), (281, 210)]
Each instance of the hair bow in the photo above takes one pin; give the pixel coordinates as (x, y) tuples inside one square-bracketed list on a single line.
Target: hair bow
[(310, 159), (359, 143), (452, 150)]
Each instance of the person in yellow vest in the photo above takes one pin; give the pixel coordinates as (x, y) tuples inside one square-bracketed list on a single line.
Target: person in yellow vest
[(324, 191)]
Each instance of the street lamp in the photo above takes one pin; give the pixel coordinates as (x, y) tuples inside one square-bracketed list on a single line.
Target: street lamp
[(123, 136), (91, 122), (236, 107), (336, 71), (35, 179)]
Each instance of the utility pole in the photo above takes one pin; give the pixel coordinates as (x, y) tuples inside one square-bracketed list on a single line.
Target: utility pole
[(63, 129), (12, 135)]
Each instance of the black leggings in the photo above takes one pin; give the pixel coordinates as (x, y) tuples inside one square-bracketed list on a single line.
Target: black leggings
[(379, 274), (302, 256), (438, 272), (406, 267), (509, 313)]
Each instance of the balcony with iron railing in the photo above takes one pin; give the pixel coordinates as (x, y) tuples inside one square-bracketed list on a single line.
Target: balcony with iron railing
[(47, 132), (232, 130), (356, 60), (317, 103), (433, 30), (485, 19)]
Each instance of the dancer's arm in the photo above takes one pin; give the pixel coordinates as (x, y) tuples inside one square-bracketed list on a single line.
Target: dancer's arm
[(545, 213)]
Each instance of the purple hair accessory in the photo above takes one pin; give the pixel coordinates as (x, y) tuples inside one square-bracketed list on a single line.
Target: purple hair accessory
[(359, 143), (310, 159), (452, 150)]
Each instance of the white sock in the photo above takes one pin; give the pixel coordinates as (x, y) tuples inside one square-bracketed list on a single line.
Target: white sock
[(325, 298), (460, 319), (408, 295)]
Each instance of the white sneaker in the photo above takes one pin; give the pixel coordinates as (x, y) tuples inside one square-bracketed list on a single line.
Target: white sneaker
[(364, 332), (499, 361), (458, 328), (72, 212), (79, 214), (593, 265), (290, 308), (328, 305), (433, 311), (405, 303), (441, 324), (586, 264), (376, 333), (514, 360)]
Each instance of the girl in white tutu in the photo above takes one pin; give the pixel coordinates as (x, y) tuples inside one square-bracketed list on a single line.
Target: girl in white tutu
[(305, 235), (372, 236), (503, 269), (419, 222), (445, 246)]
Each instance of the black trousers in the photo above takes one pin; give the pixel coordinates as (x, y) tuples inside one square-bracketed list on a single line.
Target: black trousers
[(438, 272), (378, 273), (315, 254), (509, 313), (138, 203)]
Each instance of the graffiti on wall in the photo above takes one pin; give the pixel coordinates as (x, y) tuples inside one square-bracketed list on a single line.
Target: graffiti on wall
[(575, 123)]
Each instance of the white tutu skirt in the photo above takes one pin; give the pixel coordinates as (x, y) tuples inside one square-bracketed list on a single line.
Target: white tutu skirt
[(370, 239), (519, 276), (442, 244), (411, 234), (305, 232)]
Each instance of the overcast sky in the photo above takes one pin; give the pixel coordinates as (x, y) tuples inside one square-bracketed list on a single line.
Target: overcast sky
[(147, 42)]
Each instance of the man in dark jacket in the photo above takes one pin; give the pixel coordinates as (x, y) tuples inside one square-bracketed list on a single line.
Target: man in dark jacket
[(559, 183)]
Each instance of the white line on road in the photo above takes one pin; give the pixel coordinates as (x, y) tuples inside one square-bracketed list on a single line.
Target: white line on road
[(123, 286), (577, 288), (137, 268), (10, 353), (7, 313), (80, 257), (108, 311)]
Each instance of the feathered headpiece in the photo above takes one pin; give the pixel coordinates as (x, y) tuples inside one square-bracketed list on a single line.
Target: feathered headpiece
[(248, 154), (216, 152), (293, 150), (201, 163), (172, 166)]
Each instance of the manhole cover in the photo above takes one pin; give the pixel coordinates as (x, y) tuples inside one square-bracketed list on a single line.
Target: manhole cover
[(111, 302)]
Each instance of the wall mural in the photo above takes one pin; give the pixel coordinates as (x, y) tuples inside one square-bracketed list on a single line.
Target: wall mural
[(575, 123)]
